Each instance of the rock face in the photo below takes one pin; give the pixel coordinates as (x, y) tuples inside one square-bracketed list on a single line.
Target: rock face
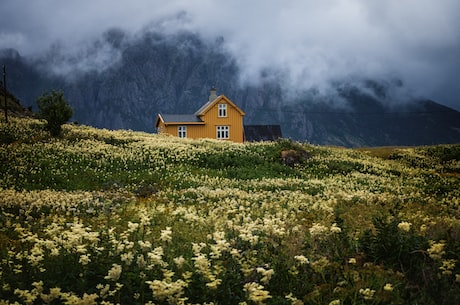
[(122, 83)]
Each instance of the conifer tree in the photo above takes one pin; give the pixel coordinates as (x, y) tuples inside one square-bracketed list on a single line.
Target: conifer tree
[(55, 110)]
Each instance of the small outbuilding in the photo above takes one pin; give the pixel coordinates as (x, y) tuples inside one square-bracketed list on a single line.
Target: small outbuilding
[(256, 133)]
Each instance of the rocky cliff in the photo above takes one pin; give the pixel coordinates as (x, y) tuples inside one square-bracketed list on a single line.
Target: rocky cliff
[(122, 83)]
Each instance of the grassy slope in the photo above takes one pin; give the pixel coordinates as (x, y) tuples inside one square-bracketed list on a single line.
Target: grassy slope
[(362, 219), (14, 107)]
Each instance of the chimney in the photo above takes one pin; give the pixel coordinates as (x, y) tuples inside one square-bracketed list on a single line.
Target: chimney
[(212, 94)]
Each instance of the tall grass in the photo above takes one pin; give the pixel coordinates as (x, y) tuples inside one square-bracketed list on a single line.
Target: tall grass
[(107, 217)]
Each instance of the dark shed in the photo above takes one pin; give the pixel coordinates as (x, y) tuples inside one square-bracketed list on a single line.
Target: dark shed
[(254, 133)]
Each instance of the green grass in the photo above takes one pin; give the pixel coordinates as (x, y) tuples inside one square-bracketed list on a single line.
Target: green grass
[(384, 152), (212, 222)]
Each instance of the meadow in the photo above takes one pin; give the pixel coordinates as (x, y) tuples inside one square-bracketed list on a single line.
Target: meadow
[(122, 217)]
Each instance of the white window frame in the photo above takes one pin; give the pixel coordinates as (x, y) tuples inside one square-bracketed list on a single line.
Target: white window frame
[(223, 132), (222, 110), (182, 131)]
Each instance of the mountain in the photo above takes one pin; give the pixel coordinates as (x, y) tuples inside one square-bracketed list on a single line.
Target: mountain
[(122, 82), (13, 106)]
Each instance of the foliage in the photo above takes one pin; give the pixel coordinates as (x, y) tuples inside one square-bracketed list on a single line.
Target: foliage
[(7, 133), (110, 217), (55, 110)]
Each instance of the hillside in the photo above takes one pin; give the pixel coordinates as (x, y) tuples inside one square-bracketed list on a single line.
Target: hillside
[(131, 218), (138, 78), (13, 105)]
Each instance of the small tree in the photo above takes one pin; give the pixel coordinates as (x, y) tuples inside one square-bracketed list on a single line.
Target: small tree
[(55, 110)]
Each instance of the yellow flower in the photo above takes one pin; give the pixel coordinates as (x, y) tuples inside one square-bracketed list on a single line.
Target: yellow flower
[(436, 250), (256, 292), (166, 234), (294, 300), (179, 261), (318, 230), (84, 259), (165, 289), (214, 284), (335, 229), (367, 293), (388, 287), (404, 226), (266, 274), (302, 259), (447, 266), (114, 273)]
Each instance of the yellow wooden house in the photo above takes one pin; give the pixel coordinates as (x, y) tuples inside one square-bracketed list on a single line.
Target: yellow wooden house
[(219, 118)]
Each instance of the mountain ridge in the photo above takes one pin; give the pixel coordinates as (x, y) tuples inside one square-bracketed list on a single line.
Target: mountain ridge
[(173, 73)]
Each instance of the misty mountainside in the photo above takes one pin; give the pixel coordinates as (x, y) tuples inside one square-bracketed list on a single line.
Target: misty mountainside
[(122, 83)]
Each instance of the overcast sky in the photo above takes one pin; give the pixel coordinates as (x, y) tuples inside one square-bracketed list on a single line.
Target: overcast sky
[(312, 42)]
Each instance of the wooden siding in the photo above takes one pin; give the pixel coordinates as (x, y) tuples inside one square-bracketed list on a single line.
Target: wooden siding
[(234, 120), (193, 131)]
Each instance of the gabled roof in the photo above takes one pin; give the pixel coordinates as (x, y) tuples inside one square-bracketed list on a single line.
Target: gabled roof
[(178, 119), (203, 109), (173, 119), (254, 133)]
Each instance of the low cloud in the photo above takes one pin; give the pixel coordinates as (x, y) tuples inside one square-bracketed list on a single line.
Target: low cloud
[(309, 43)]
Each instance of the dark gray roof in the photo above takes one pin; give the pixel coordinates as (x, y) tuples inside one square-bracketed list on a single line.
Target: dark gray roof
[(254, 133), (180, 118), (203, 107)]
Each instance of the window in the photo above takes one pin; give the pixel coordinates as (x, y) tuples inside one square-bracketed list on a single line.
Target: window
[(222, 110), (222, 132), (182, 131)]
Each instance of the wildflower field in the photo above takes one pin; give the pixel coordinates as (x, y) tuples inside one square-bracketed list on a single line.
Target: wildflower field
[(122, 217)]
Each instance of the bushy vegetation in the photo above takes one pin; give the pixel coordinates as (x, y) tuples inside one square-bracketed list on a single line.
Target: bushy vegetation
[(121, 217), (55, 110)]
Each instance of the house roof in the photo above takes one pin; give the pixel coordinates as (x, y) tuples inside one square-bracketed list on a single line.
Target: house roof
[(203, 109), (178, 119), (254, 133)]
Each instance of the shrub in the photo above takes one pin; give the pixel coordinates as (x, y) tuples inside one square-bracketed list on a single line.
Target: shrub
[(55, 110), (7, 134)]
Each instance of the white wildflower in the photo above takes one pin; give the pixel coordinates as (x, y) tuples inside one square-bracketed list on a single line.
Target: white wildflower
[(266, 274), (352, 261), (302, 259), (256, 292), (388, 287), (318, 230), (367, 293), (436, 250), (335, 229), (179, 261), (114, 273), (166, 234), (404, 226), (84, 259)]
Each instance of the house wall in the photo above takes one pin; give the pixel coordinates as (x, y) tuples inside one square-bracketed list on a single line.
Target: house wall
[(193, 131), (161, 128), (233, 119)]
